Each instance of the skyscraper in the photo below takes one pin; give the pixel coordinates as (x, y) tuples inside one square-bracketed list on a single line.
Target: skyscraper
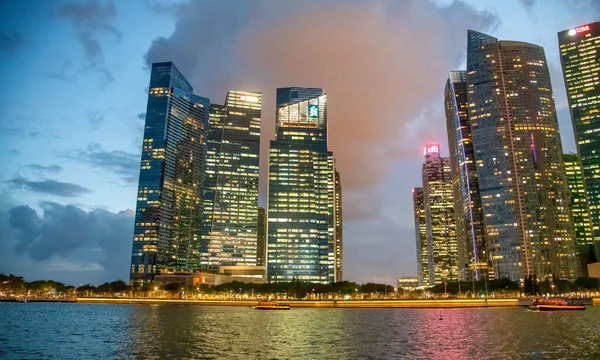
[(261, 248), (338, 242), (301, 187), (438, 203), (168, 213), (230, 201), (472, 248), (518, 154), (580, 58), (579, 209), (421, 237)]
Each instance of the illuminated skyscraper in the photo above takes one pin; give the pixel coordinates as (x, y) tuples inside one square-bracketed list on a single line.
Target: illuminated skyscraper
[(168, 215), (580, 58), (230, 201), (301, 227), (261, 250), (338, 242), (421, 237), (440, 222), (472, 248), (518, 154)]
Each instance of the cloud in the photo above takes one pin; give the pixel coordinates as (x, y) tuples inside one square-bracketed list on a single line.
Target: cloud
[(54, 169), (49, 187), (10, 41), (66, 242), (141, 116), (90, 19), (95, 118), (125, 165)]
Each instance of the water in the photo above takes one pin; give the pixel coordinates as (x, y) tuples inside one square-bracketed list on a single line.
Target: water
[(99, 331)]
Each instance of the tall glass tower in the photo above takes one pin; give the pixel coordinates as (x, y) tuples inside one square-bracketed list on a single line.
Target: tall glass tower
[(519, 160), (580, 58), (168, 214), (301, 190), (421, 237), (230, 201), (440, 223), (472, 248), (338, 241)]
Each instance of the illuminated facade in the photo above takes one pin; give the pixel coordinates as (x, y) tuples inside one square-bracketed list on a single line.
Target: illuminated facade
[(261, 250), (301, 225), (168, 213), (472, 248), (580, 58), (440, 222), (230, 201), (338, 242), (421, 237), (578, 202), (518, 154)]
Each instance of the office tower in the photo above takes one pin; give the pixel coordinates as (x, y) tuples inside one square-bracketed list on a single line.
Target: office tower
[(301, 174), (438, 202), (168, 214), (230, 201), (472, 253), (261, 251), (518, 155), (339, 244), (580, 58), (421, 236)]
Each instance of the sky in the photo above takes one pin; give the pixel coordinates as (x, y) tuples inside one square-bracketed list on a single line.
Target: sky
[(76, 75)]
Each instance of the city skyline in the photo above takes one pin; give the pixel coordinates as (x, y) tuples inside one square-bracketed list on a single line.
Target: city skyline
[(82, 168)]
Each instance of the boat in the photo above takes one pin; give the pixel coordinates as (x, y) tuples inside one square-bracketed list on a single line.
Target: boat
[(555, 304), (271, 305)]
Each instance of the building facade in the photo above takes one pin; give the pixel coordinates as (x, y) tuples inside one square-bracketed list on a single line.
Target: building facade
[(230, 200), (301, 190), (472, 247), (580, 58), (440, 222), (339, 243), (519, 161), (420, 237), (168, 212), (261, 248)]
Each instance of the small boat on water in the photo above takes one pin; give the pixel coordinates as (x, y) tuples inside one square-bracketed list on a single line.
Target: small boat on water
[(271, 305), (555, 304)]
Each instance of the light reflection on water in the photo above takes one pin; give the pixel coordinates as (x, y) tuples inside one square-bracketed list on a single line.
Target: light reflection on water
[(96, 331)]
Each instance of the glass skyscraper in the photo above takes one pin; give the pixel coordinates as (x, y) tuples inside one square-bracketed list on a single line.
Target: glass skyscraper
[(580, 58), (519, 160), (230, 201), (472, 248), (261, 248), (338, 242), (421, 237), (168, 214), (301, 227), (440, 222)]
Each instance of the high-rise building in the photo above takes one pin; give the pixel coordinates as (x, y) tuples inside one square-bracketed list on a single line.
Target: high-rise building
[(438, 202), (421, 237), (230, 201), (338, 242), (472, 248), (301, 190), (168, 214), (580, 58), (261, 248), (519, 161)]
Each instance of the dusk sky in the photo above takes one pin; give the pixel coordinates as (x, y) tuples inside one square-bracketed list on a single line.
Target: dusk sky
[(76, 76)]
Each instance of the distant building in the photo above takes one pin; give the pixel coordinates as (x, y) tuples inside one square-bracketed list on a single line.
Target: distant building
[(230, 201), (438, 202), (421, 237), (261, 251), (210, 278), (518, 153), (168, 213), (408, 283), (339, 243), (301, 226), (472, 247), (579, 49)]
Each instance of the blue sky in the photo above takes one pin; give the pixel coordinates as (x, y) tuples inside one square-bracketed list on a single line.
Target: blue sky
[(76, 74)]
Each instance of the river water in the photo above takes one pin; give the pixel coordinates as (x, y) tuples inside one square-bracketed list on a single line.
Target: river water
[(108, 331)]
